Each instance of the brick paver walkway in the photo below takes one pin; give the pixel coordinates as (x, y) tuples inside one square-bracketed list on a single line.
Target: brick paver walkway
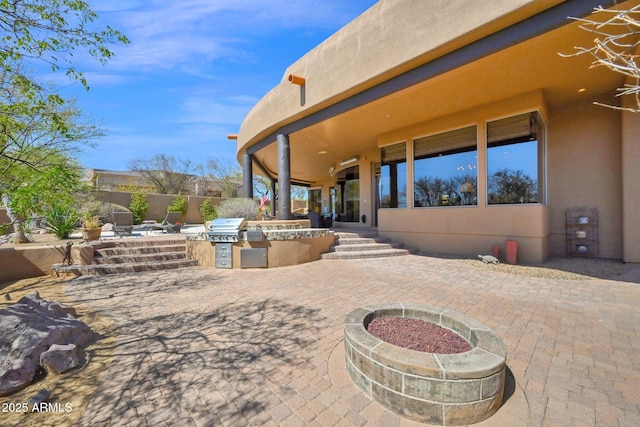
[(204, 347)]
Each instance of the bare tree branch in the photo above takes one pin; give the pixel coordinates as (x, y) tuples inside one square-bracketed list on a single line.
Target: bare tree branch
[(615, 47)]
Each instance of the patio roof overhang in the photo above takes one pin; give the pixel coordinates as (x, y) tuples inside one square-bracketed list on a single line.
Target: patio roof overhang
[(518, 59)]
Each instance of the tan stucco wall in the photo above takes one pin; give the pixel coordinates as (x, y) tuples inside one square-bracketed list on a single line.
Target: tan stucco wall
[(470, 230), (25, 261), (158, 204), (631, 186), (280, 253), (350, 60), (584, 158)]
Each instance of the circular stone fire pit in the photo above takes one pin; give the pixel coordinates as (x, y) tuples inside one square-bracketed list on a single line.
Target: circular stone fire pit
[(442, 389)]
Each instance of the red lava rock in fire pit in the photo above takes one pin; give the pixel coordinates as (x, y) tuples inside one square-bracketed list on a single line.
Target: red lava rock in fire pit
[(419, 335)]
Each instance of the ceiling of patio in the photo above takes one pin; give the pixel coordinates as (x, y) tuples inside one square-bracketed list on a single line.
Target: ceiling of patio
[(526, 67)]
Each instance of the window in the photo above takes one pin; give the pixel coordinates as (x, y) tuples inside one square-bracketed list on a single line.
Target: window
[(514, 159), (392, 186), (445, 169), (348, 195), (314, 200)]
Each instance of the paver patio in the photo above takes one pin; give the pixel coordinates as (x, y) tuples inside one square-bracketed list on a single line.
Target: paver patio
[(203, 347)]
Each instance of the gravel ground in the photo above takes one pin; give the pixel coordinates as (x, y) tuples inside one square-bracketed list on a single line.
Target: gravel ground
[(553, 268)]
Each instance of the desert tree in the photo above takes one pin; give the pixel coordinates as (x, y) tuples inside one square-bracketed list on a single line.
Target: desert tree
[(166, 173), (226, 175), (616, 46)]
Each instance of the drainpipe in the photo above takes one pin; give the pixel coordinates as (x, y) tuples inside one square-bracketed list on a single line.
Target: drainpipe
[(284, 177), (247, 176)]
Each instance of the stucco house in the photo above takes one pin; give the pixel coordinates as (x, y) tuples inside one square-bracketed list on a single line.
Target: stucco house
[(455, 125)]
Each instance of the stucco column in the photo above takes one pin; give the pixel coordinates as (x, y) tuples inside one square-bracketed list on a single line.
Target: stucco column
[(284, 177), (630, 187), (247, 176)]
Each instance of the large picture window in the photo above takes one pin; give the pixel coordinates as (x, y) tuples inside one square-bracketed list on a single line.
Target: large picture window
[(515, 159), (392, 186), (446, 169)]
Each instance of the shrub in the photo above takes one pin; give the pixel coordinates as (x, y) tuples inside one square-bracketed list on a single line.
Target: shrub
[(178, 204), (61, 220), (103, 210), (239, 208), (208, 210), (139, 205)]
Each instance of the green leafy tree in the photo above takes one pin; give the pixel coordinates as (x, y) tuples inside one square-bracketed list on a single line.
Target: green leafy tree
[(36, 191), (50, 31), (39, 130)]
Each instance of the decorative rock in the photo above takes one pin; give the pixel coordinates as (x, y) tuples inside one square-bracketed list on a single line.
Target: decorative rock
[(59, 358), (29, 328), (489, 259)]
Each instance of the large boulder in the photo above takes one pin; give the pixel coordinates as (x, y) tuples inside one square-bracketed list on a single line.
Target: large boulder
[(28, 329)]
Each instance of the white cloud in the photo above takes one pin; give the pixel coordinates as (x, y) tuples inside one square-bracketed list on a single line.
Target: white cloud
[(165, 34), (208, 111)]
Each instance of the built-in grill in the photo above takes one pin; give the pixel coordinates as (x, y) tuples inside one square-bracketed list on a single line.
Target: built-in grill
[(226, 230)]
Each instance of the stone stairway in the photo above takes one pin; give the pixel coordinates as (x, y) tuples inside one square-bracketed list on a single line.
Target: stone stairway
[(355, 244), (132, 255)]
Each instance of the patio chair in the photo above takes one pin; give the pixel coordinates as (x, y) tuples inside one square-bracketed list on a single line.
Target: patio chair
[(170, 224), (122, 223)]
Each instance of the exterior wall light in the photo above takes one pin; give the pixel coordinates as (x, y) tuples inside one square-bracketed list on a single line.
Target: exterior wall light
[(296, 80), (351, 160)]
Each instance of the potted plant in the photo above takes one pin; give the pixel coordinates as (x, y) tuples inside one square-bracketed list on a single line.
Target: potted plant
[(91, 228)]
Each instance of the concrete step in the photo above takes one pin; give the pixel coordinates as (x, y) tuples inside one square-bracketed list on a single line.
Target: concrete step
[(135, 250), (365, 254), (132, 255), (139, 257), (363, 244), (373, 246), (99, 269)]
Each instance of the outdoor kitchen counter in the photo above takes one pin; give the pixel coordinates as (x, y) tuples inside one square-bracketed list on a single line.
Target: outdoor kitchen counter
[(285, 242)]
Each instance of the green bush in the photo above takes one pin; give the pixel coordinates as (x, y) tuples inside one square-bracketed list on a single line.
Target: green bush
[(178, 204), (208, 210), (239, 208), (61, 220), (138, 206)]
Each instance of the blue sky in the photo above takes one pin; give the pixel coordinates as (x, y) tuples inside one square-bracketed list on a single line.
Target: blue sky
[(194, 68)]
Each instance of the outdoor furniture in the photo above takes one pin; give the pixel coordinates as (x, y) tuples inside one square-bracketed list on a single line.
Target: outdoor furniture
[(122, 223), (170, 224)]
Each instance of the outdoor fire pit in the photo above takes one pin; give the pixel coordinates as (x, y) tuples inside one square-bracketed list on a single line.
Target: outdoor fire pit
[(442, 389)]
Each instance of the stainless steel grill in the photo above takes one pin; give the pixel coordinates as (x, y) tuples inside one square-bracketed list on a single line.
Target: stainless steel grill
[(226, 230)]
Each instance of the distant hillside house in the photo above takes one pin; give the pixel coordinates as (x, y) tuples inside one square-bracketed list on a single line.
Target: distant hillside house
[(130, 181)]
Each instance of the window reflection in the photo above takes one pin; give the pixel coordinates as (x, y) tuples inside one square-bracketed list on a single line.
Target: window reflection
[(514, 155), (445, 169)]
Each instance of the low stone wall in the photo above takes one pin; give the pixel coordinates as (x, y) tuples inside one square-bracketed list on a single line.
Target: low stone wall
[(280, 251), (288, 242), (440, 389), (25, 261)]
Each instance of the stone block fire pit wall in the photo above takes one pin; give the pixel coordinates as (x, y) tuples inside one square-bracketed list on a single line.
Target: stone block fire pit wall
[(440, 389)]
